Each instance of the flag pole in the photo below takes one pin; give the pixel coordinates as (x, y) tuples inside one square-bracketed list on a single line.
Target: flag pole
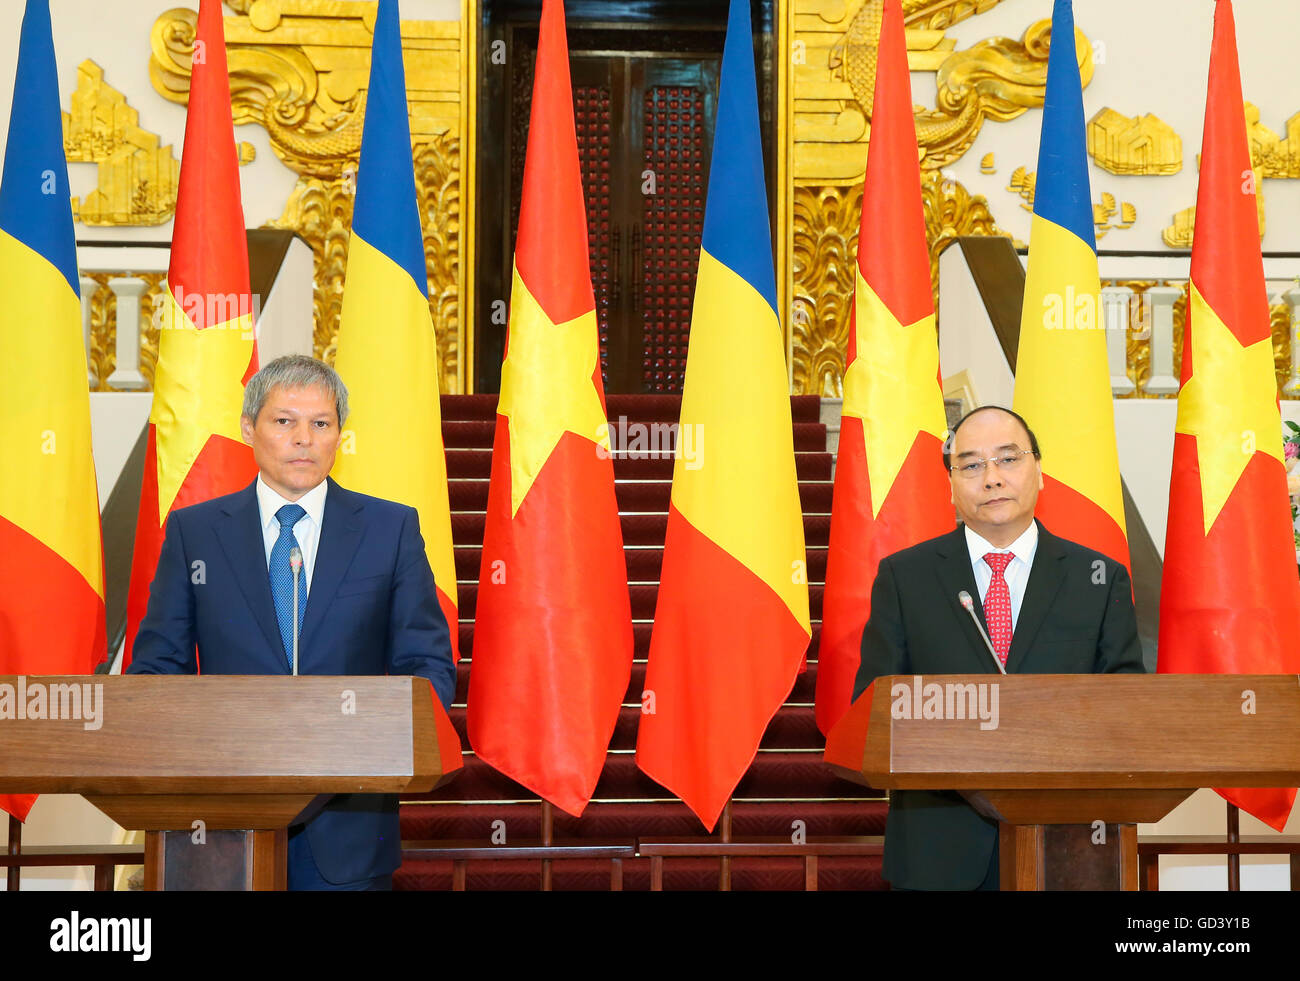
[(15, 848), (548, 827), (724, 879), (1234, 858)]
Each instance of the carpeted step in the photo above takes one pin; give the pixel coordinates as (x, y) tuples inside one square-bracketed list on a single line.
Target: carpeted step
[(634, 496), (477, 464), (644, 819), (774, 775), (643, 563), (637, 408), (809, 437), (834, 874)]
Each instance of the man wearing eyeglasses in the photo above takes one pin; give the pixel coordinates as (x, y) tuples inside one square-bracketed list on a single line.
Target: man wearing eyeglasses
[(1038, 604)]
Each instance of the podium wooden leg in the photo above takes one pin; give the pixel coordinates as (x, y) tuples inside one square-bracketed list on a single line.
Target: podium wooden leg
[(1020, 857), (1067, 856), (223, 860)]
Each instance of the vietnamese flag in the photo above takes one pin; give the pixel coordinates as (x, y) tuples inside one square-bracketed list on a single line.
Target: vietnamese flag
[(206, 347), (1062, 331), (1230, 598), (890, 487), (51, 559), (553, 629), (731, 623)]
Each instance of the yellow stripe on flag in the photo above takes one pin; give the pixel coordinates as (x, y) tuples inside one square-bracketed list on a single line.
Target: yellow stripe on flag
[(48, 412), (1062, 377), (392, 446), (740, 488)]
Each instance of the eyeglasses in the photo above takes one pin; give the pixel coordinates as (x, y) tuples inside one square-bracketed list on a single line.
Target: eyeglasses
[(1009, 460)]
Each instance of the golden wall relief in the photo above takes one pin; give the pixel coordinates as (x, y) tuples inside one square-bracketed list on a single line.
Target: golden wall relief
[(824, 255), (300, 68), (830, 99), (136, 177), (1138, 145)]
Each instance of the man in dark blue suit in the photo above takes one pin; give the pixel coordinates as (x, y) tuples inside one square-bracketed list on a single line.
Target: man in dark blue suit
[(366, 601)]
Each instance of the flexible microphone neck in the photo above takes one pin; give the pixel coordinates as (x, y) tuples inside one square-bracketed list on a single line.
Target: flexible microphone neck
[(969, 605)]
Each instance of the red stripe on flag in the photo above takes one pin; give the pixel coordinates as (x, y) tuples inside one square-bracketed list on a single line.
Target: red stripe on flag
[(553, 631), (51, 619), (723, 658), (1068, 514), (449, 749), (451, 614)]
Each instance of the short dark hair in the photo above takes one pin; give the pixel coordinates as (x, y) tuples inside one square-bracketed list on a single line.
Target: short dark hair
[(952, 434)]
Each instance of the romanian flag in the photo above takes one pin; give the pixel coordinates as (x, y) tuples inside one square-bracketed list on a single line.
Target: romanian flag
[(206, 347), (1229, 599), (51, 560), (387, 354), (731, 624), (553, 630), (1062, 331), (890, 488)]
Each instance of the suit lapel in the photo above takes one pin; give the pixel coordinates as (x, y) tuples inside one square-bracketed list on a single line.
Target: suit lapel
[(955, 574), (340, 535), (241, 538), (1045, 578)]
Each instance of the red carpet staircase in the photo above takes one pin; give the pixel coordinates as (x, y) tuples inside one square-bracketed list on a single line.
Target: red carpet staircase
[(787, 782)]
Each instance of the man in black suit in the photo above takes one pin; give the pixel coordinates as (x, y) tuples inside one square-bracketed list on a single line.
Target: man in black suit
[(1049, 605)]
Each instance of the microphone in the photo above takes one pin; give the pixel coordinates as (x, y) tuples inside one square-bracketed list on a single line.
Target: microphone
[(295, 563), (964, 599)]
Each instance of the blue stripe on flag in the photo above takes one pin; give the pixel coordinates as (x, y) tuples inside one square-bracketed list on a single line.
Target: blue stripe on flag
[(1062, 194), (35, 201), (386, 214), (736, 228)]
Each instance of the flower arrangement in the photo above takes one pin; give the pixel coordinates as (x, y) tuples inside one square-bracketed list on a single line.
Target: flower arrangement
[(1291, 457)]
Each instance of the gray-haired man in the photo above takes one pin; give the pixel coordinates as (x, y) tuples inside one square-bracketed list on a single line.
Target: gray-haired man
[(367, 603)]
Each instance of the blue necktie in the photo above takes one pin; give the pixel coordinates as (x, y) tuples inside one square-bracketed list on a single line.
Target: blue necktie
[(282, 578)]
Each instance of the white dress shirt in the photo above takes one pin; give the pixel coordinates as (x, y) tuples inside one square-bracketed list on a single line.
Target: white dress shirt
[(1017, 574), (306, 531)]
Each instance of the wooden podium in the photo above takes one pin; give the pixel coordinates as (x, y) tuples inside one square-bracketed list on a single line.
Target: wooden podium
[(1069, 764), (215, 768)]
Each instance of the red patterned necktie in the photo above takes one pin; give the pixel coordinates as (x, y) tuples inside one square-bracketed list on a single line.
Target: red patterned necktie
[(997, 604)]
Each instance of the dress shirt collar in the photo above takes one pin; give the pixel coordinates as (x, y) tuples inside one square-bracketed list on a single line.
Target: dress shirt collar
[(1022, 548), (269, 502)]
